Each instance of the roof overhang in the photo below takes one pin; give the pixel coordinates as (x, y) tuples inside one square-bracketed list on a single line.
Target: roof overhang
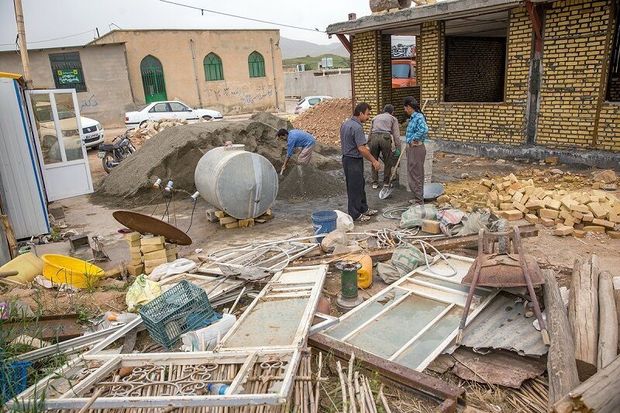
[(415, 15)]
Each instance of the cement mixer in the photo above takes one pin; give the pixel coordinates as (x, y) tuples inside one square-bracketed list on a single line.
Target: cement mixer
[(241, 183)]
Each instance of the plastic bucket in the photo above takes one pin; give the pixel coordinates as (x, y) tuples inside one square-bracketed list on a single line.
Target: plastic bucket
[(323, 222)]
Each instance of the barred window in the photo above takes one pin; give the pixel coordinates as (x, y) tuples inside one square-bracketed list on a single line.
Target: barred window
[(256, 65), (213, 67)]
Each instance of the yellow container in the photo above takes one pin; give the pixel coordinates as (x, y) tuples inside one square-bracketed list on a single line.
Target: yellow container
[(61, 269), (27, 265), (364, 274)]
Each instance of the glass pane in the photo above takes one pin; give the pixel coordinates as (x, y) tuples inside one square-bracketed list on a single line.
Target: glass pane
[(271, 323), (69, 126), (356, 319), (44, 121), (388, 333), (430, 340)]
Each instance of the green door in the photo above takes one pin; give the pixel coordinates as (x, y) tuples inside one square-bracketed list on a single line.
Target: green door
[(153, 79)]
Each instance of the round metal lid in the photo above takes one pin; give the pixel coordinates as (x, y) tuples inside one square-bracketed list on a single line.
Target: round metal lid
[(145, 224)]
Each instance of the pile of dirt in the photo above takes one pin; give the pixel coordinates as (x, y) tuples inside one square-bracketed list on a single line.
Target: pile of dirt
[(306, 182), (173, 154), (324, 120), (150, 128)]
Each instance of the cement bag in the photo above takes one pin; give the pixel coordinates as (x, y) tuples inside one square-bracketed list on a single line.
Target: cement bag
[(413, 216), (344, 222), (388, 273), (407, 258), (474, 222), (142, 291)]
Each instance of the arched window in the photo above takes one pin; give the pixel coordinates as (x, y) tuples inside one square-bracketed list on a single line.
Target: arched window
[(213, 67), (256, 65)]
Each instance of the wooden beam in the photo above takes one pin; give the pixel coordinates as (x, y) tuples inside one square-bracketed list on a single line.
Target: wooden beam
[(432, 386), (583, 314), (561, 365), (608, 321), (346, 43), (600, 393)]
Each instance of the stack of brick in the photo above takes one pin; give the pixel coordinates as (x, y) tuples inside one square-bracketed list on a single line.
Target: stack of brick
[(147, 252), (229, 222), (571, 213)]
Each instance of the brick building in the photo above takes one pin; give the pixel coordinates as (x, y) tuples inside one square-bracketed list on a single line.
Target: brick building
[(534, 77)]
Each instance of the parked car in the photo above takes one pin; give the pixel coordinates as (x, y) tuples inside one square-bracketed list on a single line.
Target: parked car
[(309, 101), (169, 109), (403, 73), (92, 131)]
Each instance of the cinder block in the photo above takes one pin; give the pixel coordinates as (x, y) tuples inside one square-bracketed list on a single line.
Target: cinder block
[(534, 204), (430, 226), (152, 240), (531, 218), (548, 213), (594, 228), (512, 215), (134, 243), (133, 236), (136, 269), (563, 230), (155, 255), (150, 248)]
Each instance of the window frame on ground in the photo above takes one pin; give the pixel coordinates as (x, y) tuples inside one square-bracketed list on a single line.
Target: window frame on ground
[(256, 64), (213, 67), (613, 76), (490, 37), (64, 66)]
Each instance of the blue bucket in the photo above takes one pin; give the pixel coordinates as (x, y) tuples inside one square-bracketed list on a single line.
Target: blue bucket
[(323, 222), (13, 379)]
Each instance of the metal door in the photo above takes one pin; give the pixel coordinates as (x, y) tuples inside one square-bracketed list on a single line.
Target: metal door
[(153, 79), (55, 113)]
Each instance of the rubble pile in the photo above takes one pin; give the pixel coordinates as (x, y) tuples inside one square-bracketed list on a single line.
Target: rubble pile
[(150, 128), (324, 120), (556, 203)]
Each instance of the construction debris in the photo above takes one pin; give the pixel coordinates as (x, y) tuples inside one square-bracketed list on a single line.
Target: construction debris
[(515, 199), (324, 119), (149, 128)]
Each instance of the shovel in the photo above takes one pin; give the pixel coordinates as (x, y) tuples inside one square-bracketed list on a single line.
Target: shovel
[(386, 191)]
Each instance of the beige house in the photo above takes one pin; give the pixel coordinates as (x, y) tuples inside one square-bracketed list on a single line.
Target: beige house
[(102, 84), (233, 71)]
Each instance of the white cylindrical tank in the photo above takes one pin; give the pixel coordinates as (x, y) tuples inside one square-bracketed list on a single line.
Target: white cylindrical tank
[(243, 184)]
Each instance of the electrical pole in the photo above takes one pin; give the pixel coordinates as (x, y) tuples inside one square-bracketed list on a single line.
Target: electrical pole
[(21, 41)]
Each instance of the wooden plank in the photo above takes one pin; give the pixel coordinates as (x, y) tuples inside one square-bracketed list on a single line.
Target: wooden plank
[(583, 314), (600, 393), (608, 321), (561, 365), (432, 386)]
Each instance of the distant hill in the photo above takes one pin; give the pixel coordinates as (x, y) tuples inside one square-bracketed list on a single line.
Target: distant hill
[(312, 63), (301, 48)]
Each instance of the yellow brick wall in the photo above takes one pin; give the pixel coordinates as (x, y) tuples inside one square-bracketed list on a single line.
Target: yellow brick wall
[(574, 57), (477, 122)]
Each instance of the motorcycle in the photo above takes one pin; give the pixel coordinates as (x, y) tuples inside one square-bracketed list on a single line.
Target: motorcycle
[(112, 154)]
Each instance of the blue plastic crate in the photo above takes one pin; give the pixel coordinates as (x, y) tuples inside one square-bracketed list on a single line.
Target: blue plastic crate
[(185, 307)]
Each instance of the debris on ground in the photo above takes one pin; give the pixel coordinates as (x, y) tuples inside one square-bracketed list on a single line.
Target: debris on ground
[(304, 182), (555, 204), (324, 119)]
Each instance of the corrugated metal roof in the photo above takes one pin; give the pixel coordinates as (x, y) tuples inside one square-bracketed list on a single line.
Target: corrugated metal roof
[(502, 325)]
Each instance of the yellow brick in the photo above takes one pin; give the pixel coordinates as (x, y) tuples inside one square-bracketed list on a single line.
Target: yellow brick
[(548, 213), (594, 228)]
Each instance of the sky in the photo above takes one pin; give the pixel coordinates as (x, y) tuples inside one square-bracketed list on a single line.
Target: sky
[(73, 22)]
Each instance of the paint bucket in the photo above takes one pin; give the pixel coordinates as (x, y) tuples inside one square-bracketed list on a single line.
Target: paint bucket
[(323, 222)]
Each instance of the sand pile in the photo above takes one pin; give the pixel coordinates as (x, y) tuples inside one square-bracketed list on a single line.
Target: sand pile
[(324, 120), (174, 153), (306, 182)]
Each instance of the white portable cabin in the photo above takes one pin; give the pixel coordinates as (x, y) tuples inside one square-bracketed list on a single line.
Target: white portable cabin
[(22, 194)]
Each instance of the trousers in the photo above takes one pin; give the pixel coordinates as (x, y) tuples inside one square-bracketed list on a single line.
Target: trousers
[(381, 143), (415, 171), (356, 194)]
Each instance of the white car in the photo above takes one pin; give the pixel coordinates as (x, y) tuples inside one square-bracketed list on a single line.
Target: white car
[(309, 101), (169, 109)]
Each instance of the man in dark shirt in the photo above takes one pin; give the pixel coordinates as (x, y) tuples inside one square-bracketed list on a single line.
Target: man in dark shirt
[(353, 145)]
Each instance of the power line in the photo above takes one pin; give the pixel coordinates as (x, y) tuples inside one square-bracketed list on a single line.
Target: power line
[(202, 10), (50, 40)]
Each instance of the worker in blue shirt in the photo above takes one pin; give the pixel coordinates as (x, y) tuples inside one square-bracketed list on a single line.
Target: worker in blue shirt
[(297, 138), (416, 135)]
